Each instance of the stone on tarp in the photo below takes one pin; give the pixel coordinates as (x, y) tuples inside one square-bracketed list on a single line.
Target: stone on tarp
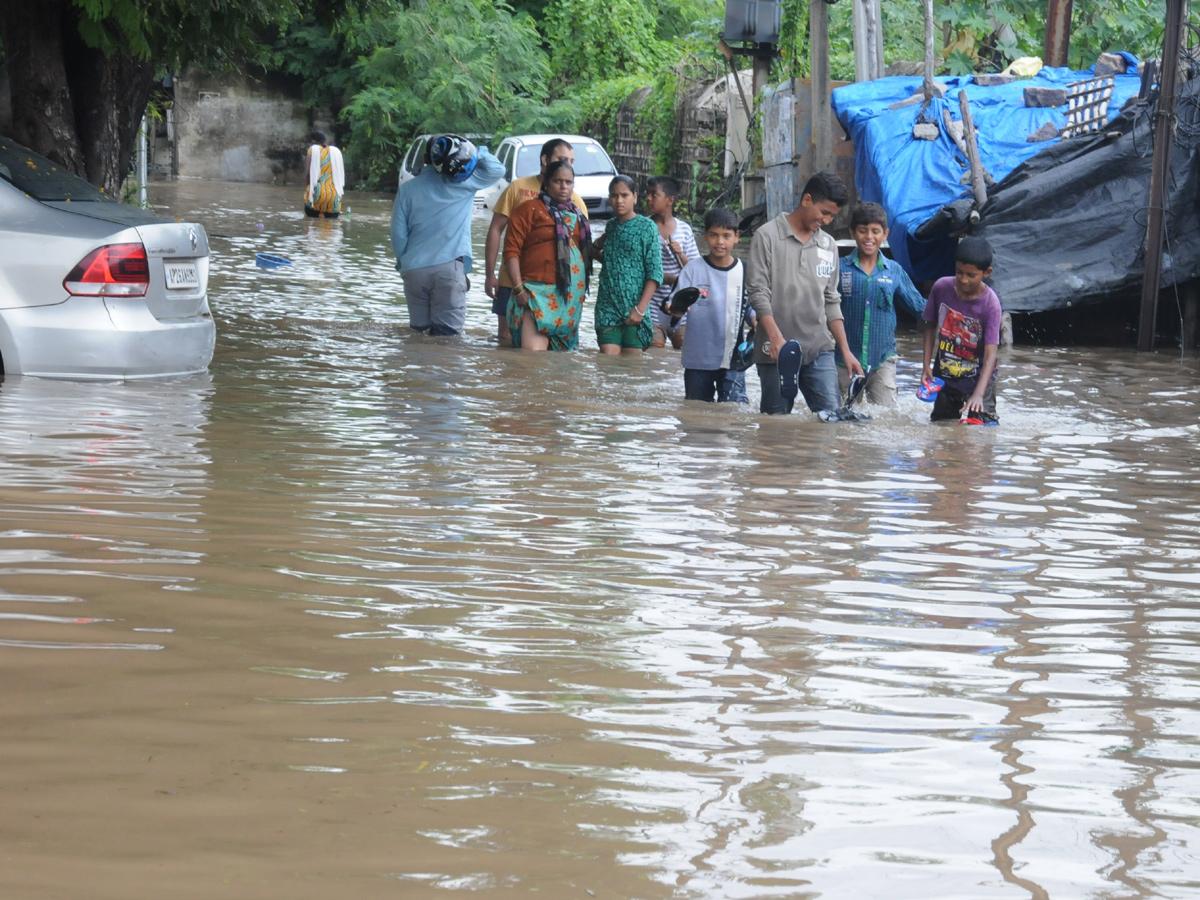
[(1042, 97), (925, 131), (1110, 64), (992, 79), (1047, 132)]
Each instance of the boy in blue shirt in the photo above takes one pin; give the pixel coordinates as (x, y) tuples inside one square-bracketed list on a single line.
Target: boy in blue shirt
[(714, 319), (871, 286)]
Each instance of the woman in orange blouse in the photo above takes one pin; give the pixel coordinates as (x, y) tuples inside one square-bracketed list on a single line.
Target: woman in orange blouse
[(544, 249)]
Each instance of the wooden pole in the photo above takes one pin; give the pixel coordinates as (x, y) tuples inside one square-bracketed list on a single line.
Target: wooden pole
[(868, 40), (875, 27), (862, 42), (928, 50), (1191, 303), (1163, 128), (822, 91), (968, 122)]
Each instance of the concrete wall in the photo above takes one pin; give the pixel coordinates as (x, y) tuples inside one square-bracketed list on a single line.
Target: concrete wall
[(236, 128)]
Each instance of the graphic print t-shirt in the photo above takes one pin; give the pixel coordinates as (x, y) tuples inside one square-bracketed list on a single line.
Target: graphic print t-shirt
[(964, 328)]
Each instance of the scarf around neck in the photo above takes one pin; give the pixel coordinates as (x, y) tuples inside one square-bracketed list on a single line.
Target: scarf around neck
[(562, 243)]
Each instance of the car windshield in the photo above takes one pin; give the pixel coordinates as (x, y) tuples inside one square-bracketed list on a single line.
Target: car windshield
[(590, 159), (42, 179)]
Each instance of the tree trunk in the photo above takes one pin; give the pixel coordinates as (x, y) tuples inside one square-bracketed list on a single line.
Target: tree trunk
[(71, 103), (110, 94), (42, 106)]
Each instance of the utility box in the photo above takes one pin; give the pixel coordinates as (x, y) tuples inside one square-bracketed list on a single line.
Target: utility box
[(756, 21)]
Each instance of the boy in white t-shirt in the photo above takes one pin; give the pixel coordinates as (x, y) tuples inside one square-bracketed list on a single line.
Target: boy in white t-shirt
[(715, 319)]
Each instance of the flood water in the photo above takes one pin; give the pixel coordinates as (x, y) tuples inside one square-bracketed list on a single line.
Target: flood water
[(368, 614)]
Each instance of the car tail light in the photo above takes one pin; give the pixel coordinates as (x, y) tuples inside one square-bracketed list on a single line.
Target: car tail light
[(118, 270)]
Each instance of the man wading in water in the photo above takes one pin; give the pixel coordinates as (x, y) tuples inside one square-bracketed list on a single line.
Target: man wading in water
[(431, 231)]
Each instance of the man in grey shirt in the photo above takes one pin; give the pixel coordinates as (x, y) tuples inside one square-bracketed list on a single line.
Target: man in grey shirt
[(792, 285)]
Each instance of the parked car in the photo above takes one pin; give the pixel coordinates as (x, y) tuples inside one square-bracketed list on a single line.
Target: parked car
[(414, 159), (95, 289), (521, 155)]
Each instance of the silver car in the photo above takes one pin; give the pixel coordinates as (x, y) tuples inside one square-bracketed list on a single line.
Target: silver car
[(95, 289)]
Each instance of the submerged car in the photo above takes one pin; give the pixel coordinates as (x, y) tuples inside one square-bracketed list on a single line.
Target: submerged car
[(522, 155), (95, 289)]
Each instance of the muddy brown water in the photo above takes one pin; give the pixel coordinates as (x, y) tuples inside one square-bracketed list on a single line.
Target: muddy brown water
[(366, 614)]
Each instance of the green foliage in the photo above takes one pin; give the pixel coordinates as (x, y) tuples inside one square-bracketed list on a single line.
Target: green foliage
[(976, 35), (708, 180), (318, 57), (177, 32), (446, 65), (657, 116), (689, 19), (1133, 25), (600, 103), (596, 40), (958, 63), (398, 68), (793, 40)]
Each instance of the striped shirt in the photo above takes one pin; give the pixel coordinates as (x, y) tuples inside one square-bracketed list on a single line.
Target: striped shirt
[(869, 306), (671, 266)]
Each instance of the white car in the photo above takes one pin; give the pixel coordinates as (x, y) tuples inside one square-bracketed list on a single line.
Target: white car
[(522, 155), (95, 289)]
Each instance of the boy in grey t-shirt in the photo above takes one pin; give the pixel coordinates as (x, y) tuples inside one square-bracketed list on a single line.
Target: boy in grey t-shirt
[(792, 278)]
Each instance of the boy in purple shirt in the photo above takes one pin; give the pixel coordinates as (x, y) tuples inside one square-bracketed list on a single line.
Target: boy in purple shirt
[(962, 334)]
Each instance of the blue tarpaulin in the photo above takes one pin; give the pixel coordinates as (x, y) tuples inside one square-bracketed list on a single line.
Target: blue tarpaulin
[(914, 178)]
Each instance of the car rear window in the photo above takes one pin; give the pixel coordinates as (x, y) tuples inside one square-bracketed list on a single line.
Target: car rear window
[(590, 159), (42, 179), (529, 160)]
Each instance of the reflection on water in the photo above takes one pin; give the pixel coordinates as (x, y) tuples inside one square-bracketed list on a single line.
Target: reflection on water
[(426, 616)]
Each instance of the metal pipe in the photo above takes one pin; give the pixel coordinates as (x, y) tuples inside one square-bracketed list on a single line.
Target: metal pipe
[(1155, 207), (1058, 32), (141, 164)]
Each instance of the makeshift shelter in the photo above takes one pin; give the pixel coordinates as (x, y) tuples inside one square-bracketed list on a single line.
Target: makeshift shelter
[(1069, 225), (1034, 218)]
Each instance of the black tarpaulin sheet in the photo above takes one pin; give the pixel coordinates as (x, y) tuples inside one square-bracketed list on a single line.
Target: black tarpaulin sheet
[(1068, 226)]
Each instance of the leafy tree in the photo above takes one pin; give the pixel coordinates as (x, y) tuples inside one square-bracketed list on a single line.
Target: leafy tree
[(977, 35), (317, 55), (689, 19), (596, 40), (446, 65)]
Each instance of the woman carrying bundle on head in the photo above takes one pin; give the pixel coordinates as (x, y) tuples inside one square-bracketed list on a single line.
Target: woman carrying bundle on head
[(545, 249)]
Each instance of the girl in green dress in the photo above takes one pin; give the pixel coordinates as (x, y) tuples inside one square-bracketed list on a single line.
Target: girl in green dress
[(631, 274)]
